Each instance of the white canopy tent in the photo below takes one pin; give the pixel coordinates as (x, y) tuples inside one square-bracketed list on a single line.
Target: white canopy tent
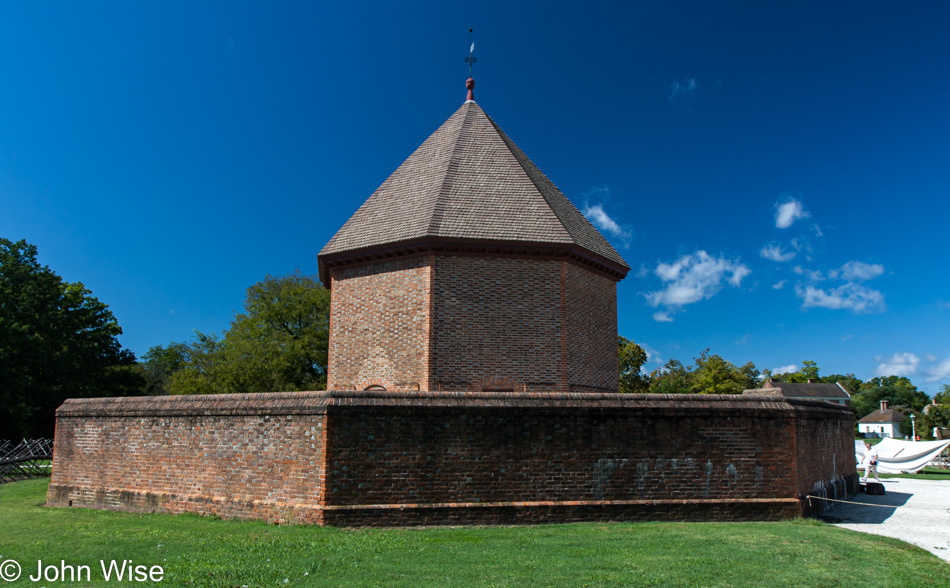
[(895, 457)]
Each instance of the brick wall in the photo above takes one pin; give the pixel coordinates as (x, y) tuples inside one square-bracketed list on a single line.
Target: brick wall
[(496, 318), (592, 355), (383, 458), (453, 322), (211, 455), (379, 326), (824, 449)]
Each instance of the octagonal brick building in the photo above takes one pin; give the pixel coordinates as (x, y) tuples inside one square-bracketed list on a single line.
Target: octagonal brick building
[(473, 360), (469, 270)]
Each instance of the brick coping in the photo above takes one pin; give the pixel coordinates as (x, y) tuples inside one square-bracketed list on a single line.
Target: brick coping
[(318, 402)]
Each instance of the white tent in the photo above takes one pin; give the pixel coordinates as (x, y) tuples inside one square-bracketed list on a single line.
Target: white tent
[(895, 457)]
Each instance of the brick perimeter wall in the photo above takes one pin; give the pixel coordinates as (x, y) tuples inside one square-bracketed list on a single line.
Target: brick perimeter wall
[(510, 455), (386, 458), (234, 466), (825, 456)]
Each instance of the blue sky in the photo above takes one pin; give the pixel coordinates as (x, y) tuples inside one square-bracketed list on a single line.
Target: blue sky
[(775, 173)]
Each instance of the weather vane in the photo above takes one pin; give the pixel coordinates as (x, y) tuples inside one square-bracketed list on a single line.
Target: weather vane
[(470, 60)]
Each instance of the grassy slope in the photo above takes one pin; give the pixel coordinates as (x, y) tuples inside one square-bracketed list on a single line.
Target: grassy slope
[(208, 552)]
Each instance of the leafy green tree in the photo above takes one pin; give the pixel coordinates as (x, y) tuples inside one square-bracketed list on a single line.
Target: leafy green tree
[(672, 378), (808, 371), (751, 377), (943, 397), (632, 358), (897, 390), (715, 375), (851, 383), (159, 363), (908, 427), (57, 341), (279, 343), (938, 415)]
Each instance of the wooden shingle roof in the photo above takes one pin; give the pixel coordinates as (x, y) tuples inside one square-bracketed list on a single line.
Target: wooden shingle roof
[(817, 390), (883, 416), (468, 183)]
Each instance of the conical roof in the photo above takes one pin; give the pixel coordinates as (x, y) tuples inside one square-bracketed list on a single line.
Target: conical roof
[(469, 183)]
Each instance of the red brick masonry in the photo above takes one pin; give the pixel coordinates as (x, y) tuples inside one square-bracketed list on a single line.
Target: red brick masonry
[(473, 323), (407, 458)]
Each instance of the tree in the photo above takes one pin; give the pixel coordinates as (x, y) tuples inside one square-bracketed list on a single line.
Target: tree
[(160, 363), (672, 378), (715, 375), (57, 341), (279, 343), (632, 358), (850, 382), (938, 415), (897, 390), (750, 375), (808, 371), (943, 397)]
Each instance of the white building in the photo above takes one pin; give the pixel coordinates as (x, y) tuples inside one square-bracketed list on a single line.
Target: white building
[(885, 422)]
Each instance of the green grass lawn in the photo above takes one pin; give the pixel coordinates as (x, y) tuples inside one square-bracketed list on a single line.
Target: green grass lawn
[(197, 551)]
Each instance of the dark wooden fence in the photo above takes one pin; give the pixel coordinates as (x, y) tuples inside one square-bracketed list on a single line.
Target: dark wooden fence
[(31, 458)]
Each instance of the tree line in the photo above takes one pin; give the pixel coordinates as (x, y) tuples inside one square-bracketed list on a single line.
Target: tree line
[(58, 341), (711, 374)]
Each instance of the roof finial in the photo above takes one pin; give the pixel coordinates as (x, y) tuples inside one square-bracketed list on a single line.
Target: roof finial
[(470, 83)]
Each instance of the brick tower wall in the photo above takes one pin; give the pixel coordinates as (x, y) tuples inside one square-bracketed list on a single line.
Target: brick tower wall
[(453, 322), (592, 354), (379, 325), (497, 324)]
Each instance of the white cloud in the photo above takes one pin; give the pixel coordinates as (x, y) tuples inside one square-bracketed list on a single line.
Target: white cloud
[(900, 364), (855, 297), (662, 317), (652, 354), (774, 252), (939, 372), (788, 212), (692, 278), (786, 369), (846, 337), (931, 357), (851, 296), (857, 271), (600, 219), (687, 87), (780, 285), (814, 276)]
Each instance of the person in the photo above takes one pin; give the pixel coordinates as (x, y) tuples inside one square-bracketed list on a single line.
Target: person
[(870, 462)]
